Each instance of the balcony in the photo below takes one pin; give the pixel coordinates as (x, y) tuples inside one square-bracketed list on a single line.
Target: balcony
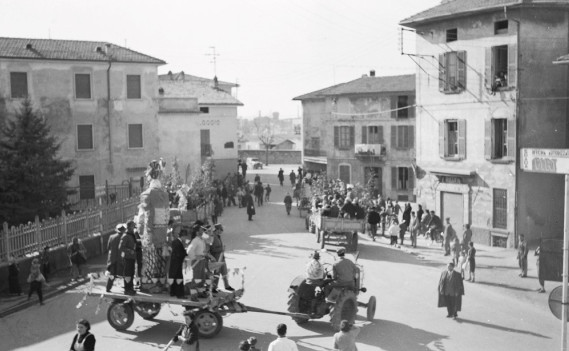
[(373, 151)]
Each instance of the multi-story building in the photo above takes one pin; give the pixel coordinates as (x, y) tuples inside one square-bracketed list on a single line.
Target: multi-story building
[(486, 87), (362, 129), (197, 120), (98, 98)]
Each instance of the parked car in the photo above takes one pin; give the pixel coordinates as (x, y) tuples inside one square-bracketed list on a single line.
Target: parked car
[(254, 163)]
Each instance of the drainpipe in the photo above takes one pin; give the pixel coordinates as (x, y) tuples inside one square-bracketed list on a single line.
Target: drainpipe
[(109, 110)]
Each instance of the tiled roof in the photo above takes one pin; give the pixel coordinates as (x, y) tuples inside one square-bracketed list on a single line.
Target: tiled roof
[(72, 50), (202, 89), (452, 8), (190, 78), (365, 85)]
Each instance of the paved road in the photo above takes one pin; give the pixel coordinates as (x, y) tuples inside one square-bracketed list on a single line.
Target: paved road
[(273, 249)]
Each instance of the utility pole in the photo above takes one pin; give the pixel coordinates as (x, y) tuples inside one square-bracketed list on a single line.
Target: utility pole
[(213, 55)]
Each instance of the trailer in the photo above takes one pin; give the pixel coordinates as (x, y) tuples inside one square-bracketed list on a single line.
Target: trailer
[(337, 231)]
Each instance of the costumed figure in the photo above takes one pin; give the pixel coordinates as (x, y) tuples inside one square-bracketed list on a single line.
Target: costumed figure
[(153, 217)]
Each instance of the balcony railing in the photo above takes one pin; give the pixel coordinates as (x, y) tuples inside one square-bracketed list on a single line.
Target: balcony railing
[(370, 150), (314, 152)]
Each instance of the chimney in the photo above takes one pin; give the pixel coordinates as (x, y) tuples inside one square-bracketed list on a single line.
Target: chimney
[(215, 82), (29, 46), (107, 49), (99, 49), (183, 75), (372, 73)]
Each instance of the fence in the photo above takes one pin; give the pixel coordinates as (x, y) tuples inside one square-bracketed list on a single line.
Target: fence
[(98, 196), (26, 239)]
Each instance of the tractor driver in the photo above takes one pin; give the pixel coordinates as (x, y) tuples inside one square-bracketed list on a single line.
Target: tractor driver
[(344, 272)]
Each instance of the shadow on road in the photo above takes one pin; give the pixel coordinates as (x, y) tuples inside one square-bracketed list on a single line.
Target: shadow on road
[(499, 327), (505, 286)]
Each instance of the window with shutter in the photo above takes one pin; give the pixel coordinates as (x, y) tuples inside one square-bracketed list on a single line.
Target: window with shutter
[(442, 72), (402, 103), (336, 137), (394, 178), (451, 136), (411, 178), (352, 137), (488, 147), (452, 72), (380, 135), (84, 137), (461, 66), (133, 87), (412, 109), (442, 139), (86, 187), (364, 135), (394, 107), (135, 136), (345, 137), (511, 140), (18, 85), (512, 65), (83, 86)]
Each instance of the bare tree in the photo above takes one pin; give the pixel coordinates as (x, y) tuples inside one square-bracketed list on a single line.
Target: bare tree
[(266, 135)]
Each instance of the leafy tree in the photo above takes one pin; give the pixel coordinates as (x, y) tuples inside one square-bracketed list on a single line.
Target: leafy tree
[(32, 177)]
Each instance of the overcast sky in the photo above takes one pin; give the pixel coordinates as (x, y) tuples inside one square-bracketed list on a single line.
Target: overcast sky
[(276, 50)]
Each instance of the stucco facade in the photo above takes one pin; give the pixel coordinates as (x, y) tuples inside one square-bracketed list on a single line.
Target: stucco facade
[(198, 120), (482, 183), (51, 85), (381, 133)]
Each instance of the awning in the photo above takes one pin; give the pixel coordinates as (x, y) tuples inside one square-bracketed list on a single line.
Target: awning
[(455, 172), (316, 159)]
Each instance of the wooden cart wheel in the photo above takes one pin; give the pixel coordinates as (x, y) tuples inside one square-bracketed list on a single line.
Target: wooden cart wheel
[(370, 313), (120, 315)]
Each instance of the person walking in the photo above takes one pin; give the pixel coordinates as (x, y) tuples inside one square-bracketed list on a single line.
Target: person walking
[(420, 213), (36, 280), (345, 339), (268, 192), (217, 250), (244, 169), (282, 343), (523, 256), (250, 204), (471, 257), (373, 218), (449, 236), (114, 260), (435, 226), (393, 231), (466, 237), (83, 340), (14, 277), (292, 178), (450, 291), (281, 176), (77, 256), (127, 248), (288, 203), (539, 274), (414, 230)]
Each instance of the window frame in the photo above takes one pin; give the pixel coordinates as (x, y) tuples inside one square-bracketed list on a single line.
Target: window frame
[(448, 69), (397, 183), (204, 109), (90, 85), (94, 189), (490, 142), (128, 130), (27, 93), (139, 97), (451, 35), (499, 221), (499, 28), (92, 137), (402, 137), (344, 137), (491, 80), (444, 141)]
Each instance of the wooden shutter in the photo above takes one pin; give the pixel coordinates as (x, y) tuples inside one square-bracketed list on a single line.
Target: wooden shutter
[(442, 142), (512, 65), (364, 135), (133, 87), (488, 76), (336, 137), (411, 102), (410, 178), (394, 178), (511, 139), (461, 139), (380, 133), (411, 137), (19, 84), (461, 67), (394, 106), (352, 136), (442, 72), (393, 137), (488, 147)]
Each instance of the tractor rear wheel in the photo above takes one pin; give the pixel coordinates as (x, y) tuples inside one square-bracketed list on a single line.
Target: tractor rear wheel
[(293, 307), (346, 307)]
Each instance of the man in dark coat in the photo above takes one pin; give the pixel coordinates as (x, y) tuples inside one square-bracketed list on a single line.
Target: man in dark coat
[(114, 261), (288, 203), (127, 248), (373, 218), (451, 290), (244, 168), (292, 177), (281, 176), (176, 271), (250, 204), (348, 209)]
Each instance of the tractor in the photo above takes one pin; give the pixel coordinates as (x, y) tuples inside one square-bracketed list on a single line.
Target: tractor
[(307, 301)]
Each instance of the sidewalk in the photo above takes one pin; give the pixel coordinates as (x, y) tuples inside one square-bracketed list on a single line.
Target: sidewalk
[(59, 282), (496, 267)]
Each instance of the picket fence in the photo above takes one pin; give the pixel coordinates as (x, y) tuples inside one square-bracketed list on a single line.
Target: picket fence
[(31, 238)]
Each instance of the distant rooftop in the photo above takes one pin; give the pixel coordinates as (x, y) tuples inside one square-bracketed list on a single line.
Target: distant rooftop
[(454, 8), (70, 50), (191, 78), (180, 85), (365, 85)]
